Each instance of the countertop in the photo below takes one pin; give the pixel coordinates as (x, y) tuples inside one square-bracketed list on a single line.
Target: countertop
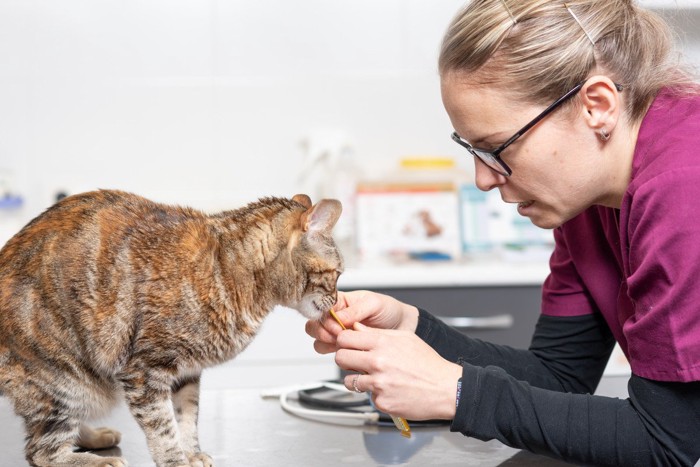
[(485, 271), (239, 428)]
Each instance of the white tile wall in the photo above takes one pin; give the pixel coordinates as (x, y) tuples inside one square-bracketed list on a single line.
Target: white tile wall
[(206, 102)]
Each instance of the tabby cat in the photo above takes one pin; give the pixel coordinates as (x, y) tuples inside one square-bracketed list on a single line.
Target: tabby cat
[(109, 295)]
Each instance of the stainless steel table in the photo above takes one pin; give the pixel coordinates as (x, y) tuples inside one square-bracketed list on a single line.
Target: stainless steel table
[(239, 428)]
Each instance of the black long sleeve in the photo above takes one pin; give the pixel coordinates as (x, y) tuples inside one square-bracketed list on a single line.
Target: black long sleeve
[(537, 399), (566, 354)]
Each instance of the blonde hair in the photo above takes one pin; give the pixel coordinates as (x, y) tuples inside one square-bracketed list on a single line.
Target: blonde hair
[(540, 49)]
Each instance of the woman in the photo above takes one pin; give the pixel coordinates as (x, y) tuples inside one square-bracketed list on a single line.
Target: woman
[(610, 160)]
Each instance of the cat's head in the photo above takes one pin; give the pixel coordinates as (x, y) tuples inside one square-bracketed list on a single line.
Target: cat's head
[(315, 257)]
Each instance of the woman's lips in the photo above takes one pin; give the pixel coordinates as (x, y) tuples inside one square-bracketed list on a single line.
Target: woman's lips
[(523, 207)]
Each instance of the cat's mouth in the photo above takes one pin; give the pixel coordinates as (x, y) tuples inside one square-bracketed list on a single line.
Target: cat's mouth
[(326, 303), (315, 306), (321, 308)]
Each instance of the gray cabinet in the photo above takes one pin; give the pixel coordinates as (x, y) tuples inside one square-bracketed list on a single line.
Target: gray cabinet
[(502, 314)]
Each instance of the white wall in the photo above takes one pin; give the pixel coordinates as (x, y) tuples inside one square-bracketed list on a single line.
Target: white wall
[(206, 102)]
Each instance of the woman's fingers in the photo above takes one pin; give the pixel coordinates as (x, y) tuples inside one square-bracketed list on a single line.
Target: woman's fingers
[(368, 307), (353, 347), (324, 330), (352, 360), (357, 382), (361, 337), (341, 302), (324, 348)]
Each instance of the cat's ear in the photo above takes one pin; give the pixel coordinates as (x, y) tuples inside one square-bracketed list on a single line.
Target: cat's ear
[(303, 200), (321, 217)]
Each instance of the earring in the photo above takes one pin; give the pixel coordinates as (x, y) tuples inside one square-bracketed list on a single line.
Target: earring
[(604, 135)]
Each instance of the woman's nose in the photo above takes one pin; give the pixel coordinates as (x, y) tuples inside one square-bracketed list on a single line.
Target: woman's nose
[(487, 179)]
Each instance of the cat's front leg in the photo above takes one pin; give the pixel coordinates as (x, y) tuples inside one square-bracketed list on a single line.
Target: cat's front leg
[(186, 405), (148, 395)]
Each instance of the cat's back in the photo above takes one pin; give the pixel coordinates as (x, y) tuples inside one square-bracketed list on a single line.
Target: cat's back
[(83, 226), (72, 272), (81, 249)]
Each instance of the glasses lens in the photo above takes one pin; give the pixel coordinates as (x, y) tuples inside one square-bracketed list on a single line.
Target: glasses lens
[(490, 160), (486, 157)]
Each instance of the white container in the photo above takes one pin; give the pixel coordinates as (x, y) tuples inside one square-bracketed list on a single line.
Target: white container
[(491, 226), (412, 211), (475, 220)]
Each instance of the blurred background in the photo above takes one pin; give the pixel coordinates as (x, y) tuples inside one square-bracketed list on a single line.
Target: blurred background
[(214, 103)]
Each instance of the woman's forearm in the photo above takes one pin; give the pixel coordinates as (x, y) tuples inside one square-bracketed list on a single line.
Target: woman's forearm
[(566, 354), (582, 428)]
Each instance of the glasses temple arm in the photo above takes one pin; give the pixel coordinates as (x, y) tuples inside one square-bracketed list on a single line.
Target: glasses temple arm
[(537, 119)]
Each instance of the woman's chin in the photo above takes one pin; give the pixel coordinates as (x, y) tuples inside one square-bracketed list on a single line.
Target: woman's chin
[(546, 220)]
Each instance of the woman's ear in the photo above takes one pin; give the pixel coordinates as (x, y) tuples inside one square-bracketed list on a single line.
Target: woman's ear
[(601, 101)]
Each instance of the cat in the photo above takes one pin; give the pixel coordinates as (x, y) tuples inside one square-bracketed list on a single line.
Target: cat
[(107, 295)]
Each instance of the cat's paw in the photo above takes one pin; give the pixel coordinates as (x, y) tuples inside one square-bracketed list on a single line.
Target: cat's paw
[(200, 459), (111, 462), (98, 438), (66, 457)]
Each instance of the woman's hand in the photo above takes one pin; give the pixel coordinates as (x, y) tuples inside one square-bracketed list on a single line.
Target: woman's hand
[(370, 308), (406, 376)]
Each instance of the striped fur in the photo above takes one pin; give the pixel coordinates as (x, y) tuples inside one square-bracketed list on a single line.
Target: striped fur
[(107, 295)]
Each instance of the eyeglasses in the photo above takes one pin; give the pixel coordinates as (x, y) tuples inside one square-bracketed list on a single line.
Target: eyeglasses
[(492, 158)]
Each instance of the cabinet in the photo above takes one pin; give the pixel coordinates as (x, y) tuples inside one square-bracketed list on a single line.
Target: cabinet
[(504, 314), (495, 301)]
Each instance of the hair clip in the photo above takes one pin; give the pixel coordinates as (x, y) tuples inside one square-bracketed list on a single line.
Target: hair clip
[(510, 13), (573, 15)]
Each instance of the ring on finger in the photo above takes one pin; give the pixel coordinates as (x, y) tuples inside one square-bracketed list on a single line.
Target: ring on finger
[(354, 383)]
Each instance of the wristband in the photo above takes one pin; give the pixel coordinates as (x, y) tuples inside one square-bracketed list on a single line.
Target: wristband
[(459, 391)]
